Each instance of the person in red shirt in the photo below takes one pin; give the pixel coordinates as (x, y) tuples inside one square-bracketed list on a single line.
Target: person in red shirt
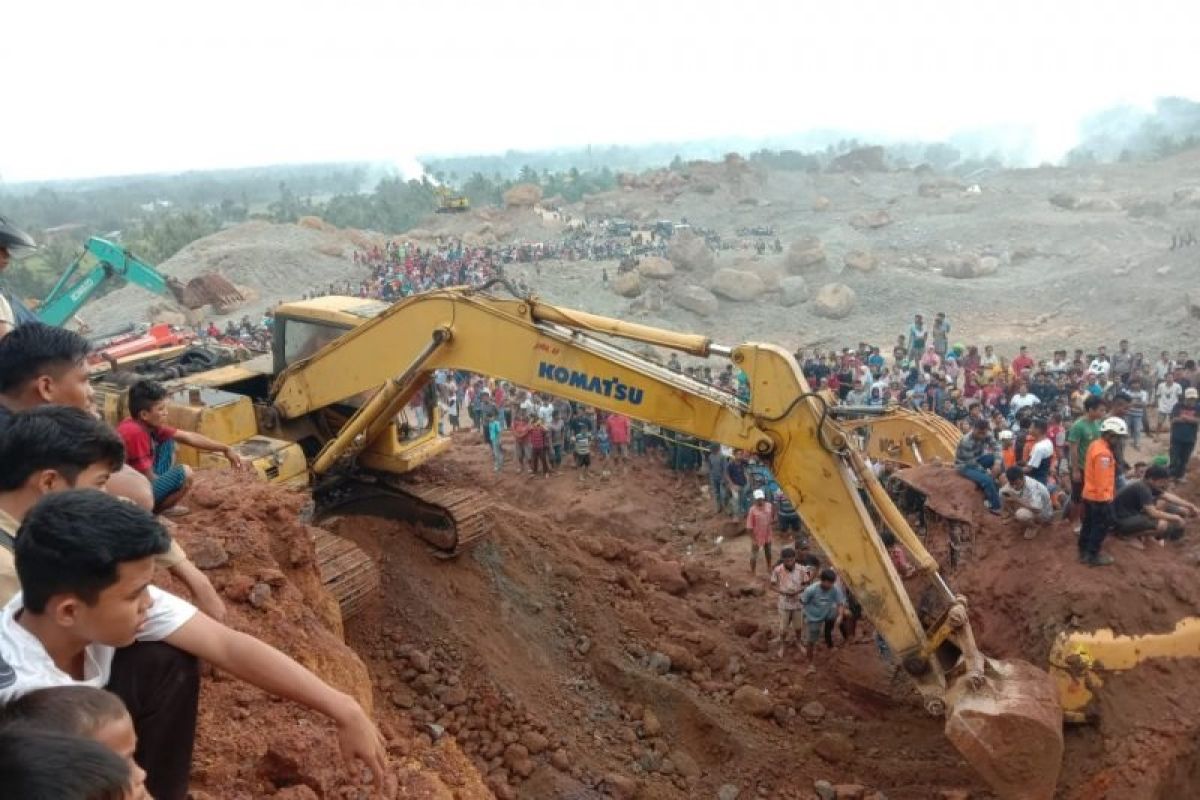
[(520, 431), (618, 437), (538, 446), (759, 520), (150, 446), (1021, 363)]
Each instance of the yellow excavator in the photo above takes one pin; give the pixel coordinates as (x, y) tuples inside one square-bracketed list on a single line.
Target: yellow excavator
[(1003, 716), (347, 390)]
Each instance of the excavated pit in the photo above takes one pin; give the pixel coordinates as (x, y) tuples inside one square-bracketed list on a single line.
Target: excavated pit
[(601, 643)]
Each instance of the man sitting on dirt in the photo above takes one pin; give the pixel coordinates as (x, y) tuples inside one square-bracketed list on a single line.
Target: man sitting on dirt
[(1029, 499), (975, 460), (1145, 507), (86, 561), (150, 446)]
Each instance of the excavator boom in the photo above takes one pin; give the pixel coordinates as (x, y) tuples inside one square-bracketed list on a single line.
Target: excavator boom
[(1007, 728), (69, 294)]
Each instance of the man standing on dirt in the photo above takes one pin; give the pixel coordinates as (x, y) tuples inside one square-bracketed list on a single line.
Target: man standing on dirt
[(917, 335), (759, 521), (788, 579), (1166, 396), (941, 334), (1099, 491), (1184, 421), (1083, 432)]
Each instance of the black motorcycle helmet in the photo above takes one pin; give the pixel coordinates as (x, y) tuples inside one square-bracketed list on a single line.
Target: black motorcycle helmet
[(16, 241)]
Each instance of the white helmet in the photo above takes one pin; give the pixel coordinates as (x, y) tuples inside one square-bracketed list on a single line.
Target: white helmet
[(759, 494), (1114, 425)]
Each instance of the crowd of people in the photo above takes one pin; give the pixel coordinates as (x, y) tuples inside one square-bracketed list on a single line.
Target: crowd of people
[(1044, 436), (99, 669)]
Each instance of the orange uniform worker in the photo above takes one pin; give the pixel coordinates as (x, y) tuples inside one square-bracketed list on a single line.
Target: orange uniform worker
[(1099, 491)]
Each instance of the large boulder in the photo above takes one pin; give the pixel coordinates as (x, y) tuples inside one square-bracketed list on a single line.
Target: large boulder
[(793, 290), (652, 299), (628, 284), (864, 159), (655, 267), (523, 195), (870, 220), (1192, 298), (1187, 197), (1065, 200), (770, 271), (965, 265), (861, 260), (1106, 204), (696, 299), (736, 284), (689, 252), (806, 254), (753, 701), (834, 301)]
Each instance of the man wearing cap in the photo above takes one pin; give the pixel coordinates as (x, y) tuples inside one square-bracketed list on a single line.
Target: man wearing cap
[(1184, 421), (1099, 491), (13, 241), (759, 520)]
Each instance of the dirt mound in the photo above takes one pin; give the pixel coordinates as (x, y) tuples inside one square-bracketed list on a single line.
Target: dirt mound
[(260, 557), (523, 195), (263, 260)]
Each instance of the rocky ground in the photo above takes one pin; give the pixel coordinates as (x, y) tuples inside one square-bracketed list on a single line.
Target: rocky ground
[(604, 643), (1050, 256)]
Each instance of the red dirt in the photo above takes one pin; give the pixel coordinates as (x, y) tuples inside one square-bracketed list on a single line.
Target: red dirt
[(532, 652), (250, 745)]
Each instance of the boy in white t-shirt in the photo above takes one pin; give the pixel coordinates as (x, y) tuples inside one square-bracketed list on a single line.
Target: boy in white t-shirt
[(85, 561)]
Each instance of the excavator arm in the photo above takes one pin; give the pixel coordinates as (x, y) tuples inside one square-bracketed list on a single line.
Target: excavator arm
[(1004, 717), (67, 297)]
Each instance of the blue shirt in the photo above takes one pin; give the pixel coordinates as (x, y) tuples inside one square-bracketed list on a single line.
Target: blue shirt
[(821, 604)]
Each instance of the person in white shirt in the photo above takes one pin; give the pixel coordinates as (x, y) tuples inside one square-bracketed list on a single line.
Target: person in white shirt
[(788, 579), (1023, 399), (1164, 366), (1029, 499), (87, 614), (1166, 395), (545, 411), (1100, 365)]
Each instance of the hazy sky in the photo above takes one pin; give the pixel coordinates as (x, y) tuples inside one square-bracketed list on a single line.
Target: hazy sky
[(97, 88)]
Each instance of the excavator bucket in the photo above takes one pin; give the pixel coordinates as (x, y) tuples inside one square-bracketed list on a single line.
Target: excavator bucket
[(1009, 729), (209, 289)]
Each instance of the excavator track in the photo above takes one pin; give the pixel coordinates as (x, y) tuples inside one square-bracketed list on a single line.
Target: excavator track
[(449, 519)]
